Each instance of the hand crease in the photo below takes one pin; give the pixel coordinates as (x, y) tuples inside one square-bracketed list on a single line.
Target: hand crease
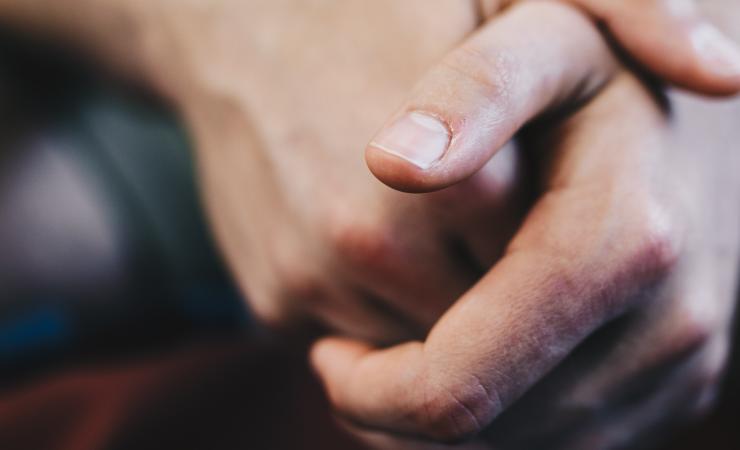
[(492, 396), (467, 409)]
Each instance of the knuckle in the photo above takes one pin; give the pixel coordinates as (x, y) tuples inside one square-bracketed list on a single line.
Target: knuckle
[(452, 415), (294, 279), (298, 285), (692, 331), (487, 72), (290, 270), (271, 312), (303, 287), (657, 248), (360, 243), (688, 335), (264, 304)]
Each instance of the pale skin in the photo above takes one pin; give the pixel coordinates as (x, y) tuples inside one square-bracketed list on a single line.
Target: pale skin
[(626, 221)]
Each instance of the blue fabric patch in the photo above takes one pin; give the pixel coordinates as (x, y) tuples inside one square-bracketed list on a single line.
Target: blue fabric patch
[(39, 330)]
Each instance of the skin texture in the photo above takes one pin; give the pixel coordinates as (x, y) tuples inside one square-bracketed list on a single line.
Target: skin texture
[(641, 27), (480, 126), (452, 386), (279, 122), (613, 389)]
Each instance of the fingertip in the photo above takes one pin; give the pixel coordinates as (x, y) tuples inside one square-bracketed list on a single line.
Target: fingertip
[(718, 60), (398, 173), (687, 51), (333, 356), (408, 152), (700, 79), (673, 41), (526, 62)]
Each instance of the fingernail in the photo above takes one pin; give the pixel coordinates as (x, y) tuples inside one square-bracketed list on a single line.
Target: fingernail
[(722, 54), (416, 137)]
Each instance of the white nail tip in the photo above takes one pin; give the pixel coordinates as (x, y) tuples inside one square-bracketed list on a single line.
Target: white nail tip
[(415, 137)]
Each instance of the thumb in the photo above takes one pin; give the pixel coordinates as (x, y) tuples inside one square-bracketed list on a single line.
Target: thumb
[(673, 41), (529, 60), (594, 246)]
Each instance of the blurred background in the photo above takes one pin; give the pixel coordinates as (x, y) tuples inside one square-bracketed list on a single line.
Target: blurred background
[(119, 327)]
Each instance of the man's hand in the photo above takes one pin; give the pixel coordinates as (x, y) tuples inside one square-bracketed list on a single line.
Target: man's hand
[(611, 305), (633, 218), (308, 232), (278, 94), (696, 55), (237, 70)]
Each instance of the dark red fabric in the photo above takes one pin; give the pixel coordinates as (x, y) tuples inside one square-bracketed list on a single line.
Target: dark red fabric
[(219, 394)]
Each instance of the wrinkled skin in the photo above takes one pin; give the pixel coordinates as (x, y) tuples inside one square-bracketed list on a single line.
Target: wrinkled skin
[(624, 223), (388, 269), (307, 228), (650, 369)]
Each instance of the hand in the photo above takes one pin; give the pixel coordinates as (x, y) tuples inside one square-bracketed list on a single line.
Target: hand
[(223, 78), (623, 240), (308, 232), (339, 247), (690, 58), (240, 124), (652, 367), (362, 259), (220, 87)]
